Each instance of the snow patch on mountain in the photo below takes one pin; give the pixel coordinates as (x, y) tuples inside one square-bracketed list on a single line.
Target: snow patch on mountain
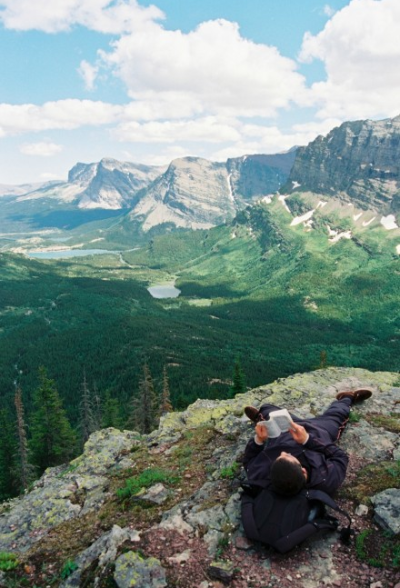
[(389, 222), (343, 235), (302, 219), (267, 199), (228, 179), (368, 222), (282, 199)]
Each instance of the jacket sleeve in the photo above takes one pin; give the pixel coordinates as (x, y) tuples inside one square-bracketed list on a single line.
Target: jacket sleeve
[(251, 451), (330, 464)]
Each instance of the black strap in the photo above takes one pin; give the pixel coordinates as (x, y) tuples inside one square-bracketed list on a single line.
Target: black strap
[(248, 521), (326, 499)]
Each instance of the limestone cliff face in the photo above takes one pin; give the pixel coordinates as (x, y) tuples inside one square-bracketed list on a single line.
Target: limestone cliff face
[(254, 176), (198, 193), (358, 160), (183, 529), (193, 193)]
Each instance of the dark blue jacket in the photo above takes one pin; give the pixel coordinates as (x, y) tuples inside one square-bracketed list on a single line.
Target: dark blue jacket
[(325, 462)]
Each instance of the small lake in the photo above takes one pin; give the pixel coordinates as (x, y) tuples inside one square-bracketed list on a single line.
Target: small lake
[(164, 291), (66, 253)]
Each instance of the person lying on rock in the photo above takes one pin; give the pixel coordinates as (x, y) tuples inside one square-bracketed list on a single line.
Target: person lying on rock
[(306, 456)]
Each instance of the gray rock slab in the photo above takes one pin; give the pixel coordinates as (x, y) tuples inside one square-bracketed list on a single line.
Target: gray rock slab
[(104, 549), (387, 509), (133, 570)]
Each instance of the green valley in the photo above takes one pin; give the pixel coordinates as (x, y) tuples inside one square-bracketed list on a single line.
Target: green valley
[(278, 296)]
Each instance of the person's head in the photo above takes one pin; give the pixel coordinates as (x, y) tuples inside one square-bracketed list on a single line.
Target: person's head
[(288, 476)]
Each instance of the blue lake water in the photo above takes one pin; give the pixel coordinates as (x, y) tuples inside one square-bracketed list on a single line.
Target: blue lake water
[(164, 291)]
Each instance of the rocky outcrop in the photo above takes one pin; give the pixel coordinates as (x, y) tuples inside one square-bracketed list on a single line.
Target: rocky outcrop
[(359, 161), (185, 531)]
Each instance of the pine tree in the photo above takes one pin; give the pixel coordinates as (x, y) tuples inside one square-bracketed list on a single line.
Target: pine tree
[(8, 447), (145, 405), (323, 360), (166, 405), (24, 470), (53, 441), (87, 421), (111, 415), (97, 408), (239, 385)]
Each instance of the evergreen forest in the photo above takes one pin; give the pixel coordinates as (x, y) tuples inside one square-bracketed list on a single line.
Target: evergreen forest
[(83, 343)]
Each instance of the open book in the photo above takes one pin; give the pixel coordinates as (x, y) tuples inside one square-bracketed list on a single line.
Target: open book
[(279, 422)]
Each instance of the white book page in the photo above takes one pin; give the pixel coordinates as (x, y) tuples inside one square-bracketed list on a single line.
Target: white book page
[(282, 419), (272, 428)]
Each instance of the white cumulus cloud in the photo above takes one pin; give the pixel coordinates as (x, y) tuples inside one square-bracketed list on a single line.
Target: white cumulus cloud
[(41, 149), (106, 16), (88, 73), (212, 70), (62, 114), (328, 10), (209, 129), (360, 49)]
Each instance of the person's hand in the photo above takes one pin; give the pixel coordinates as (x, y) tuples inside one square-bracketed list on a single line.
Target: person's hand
[(298, 433), (261, 433)]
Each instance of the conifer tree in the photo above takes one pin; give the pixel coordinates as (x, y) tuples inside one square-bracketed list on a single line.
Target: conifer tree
[(111, 414), (24, 469), (87, 421), (97, 408), (53, 441), (8, 447), (145, 406), (323, 360), (239, 385), (166, 405)]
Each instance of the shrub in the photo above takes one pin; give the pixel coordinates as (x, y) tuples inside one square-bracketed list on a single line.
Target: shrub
[(144, 480), (8, 561)]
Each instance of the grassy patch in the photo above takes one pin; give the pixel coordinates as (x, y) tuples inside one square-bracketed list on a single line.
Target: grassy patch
[(68, 568), (8, 561), (354, 416), (375, 478), (389, 422), (146, 479), (229, 472), (378, 549)]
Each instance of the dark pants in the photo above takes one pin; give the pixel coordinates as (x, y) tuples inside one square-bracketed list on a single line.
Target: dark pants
[(333, 420)]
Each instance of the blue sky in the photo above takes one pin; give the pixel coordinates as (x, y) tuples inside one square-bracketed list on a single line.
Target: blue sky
[(150, 81)]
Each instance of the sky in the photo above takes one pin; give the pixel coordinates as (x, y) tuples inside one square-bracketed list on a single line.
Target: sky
[(147, 82)]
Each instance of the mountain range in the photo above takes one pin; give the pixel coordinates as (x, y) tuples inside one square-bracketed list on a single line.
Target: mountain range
[(191, 192), (356, 163)]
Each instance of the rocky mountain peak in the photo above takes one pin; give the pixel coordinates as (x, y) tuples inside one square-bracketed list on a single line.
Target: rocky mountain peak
[(165, 508), (358, 161), (193, 192)]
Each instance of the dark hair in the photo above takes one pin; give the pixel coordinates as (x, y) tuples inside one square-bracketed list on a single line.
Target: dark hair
[(287, 478)]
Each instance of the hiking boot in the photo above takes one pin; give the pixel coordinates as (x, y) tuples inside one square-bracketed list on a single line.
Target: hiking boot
[(356, 395), (253, 414)]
